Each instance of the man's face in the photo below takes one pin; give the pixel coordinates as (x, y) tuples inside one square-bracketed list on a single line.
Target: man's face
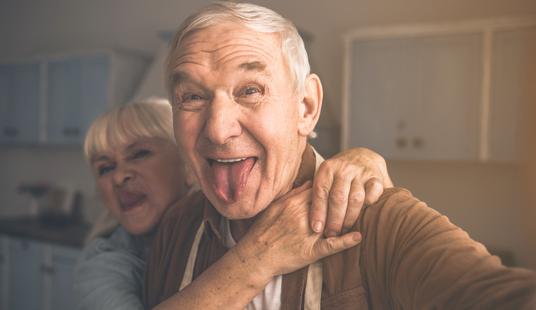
[(236, 115)]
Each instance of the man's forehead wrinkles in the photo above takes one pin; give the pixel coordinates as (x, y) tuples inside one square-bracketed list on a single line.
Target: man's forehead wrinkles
[(252, 66), (246, 56)]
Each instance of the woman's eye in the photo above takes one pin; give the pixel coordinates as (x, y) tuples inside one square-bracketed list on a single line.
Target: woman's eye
[(141, 153), (102, 170)]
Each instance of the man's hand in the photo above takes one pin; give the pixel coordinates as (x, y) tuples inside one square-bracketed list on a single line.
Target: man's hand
[(281, 240), (342, 185)]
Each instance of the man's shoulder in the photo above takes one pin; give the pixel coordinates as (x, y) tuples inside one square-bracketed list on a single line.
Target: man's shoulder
[(398, 215), (397, 203), (190, 206)]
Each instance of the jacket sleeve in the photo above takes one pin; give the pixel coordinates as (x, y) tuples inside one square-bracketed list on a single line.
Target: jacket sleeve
[(109, 276), (420, 260)]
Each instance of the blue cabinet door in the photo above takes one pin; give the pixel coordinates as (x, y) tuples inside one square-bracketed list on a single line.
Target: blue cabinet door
[(3, 273), (77, 94), (19, 103), (25, 280), (63, 263)]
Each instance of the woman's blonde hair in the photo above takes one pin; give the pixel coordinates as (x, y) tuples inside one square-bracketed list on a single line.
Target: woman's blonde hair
[(151, 118)]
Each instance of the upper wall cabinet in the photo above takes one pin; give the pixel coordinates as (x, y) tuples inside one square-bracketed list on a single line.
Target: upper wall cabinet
[(55, 99), (437, 92), (20, 86)]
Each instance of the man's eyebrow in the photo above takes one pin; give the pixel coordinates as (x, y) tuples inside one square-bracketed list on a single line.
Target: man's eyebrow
[(178, 77), (252, 66)]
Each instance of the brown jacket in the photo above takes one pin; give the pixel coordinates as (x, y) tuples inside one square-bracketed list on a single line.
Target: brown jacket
[(411, 257)]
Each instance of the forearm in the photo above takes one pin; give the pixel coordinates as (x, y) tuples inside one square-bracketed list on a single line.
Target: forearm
[(231, 283)]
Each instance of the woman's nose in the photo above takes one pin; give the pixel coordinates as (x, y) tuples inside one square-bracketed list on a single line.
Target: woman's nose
[(122, 174)]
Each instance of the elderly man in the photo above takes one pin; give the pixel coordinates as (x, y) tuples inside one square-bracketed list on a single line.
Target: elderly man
[(244, 104)]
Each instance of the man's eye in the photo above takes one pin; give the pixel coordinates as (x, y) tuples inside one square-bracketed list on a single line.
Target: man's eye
[(251, 90), (191, 97), (102, 170), (191, 102), (250, 95)]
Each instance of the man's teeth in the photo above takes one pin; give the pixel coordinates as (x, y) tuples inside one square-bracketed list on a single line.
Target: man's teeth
[(233, 160)]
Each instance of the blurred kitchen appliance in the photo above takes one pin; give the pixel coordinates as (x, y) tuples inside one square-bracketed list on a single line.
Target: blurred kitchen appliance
[(52, 204)]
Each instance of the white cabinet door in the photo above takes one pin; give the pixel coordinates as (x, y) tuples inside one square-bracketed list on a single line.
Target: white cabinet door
[(63, 261), (416, 97), (513, 53), (25, 289)]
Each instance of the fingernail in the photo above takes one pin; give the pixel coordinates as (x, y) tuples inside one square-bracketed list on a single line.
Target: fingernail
[(356, 236), (317, 226)]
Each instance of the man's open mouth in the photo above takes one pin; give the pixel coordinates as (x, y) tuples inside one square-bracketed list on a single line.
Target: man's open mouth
[(230, 176)]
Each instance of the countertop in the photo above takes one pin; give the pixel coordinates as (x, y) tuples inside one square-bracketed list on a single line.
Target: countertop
[(66, 234)]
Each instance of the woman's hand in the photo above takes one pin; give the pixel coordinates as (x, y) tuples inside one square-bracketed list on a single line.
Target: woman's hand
[(281, 240), (342, 185)]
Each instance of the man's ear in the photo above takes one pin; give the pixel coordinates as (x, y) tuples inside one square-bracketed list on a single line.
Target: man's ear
[(309, 109)]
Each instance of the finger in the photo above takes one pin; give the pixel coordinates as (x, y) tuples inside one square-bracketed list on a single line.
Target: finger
[(374, 189), (322, 183), (338, 203), (356, 199), (332, 245)]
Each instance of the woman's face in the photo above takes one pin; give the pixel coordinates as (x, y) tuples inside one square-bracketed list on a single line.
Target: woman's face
[(139, 180)]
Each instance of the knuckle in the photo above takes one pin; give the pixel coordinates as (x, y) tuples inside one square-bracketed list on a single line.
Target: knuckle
[(331, 244), (357, 197), (347, 171), (334, 225), (338, 198), (321, 192)]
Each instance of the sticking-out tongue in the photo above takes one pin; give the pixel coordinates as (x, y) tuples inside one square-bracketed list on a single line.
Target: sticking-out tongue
[(231, 178)]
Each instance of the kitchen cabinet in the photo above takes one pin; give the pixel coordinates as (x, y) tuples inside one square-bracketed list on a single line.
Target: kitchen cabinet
[(417, 98), (19, 102), (3, 272), (81, 87), (54, 99), (24, 277), (40, 275), (61, 277), (437, 92), (514, 53)]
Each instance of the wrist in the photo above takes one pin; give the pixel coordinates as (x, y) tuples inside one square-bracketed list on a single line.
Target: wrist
[(255, 271)]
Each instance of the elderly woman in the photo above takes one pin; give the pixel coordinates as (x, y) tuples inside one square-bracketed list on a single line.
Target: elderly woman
[(139, 174)]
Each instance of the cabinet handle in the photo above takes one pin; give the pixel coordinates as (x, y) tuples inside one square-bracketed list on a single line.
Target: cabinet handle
[(11, 131), (418, 143), (71, 131), (47, 269), (401, 143)]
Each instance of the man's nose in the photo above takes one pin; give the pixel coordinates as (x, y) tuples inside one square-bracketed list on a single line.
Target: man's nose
[(122, 174), (222, 124)]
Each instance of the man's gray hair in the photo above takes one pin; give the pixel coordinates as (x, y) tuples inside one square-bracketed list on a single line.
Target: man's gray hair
[(255, 17)]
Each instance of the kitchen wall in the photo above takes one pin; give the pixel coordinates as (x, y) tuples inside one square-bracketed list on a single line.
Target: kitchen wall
[(487, 199)]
